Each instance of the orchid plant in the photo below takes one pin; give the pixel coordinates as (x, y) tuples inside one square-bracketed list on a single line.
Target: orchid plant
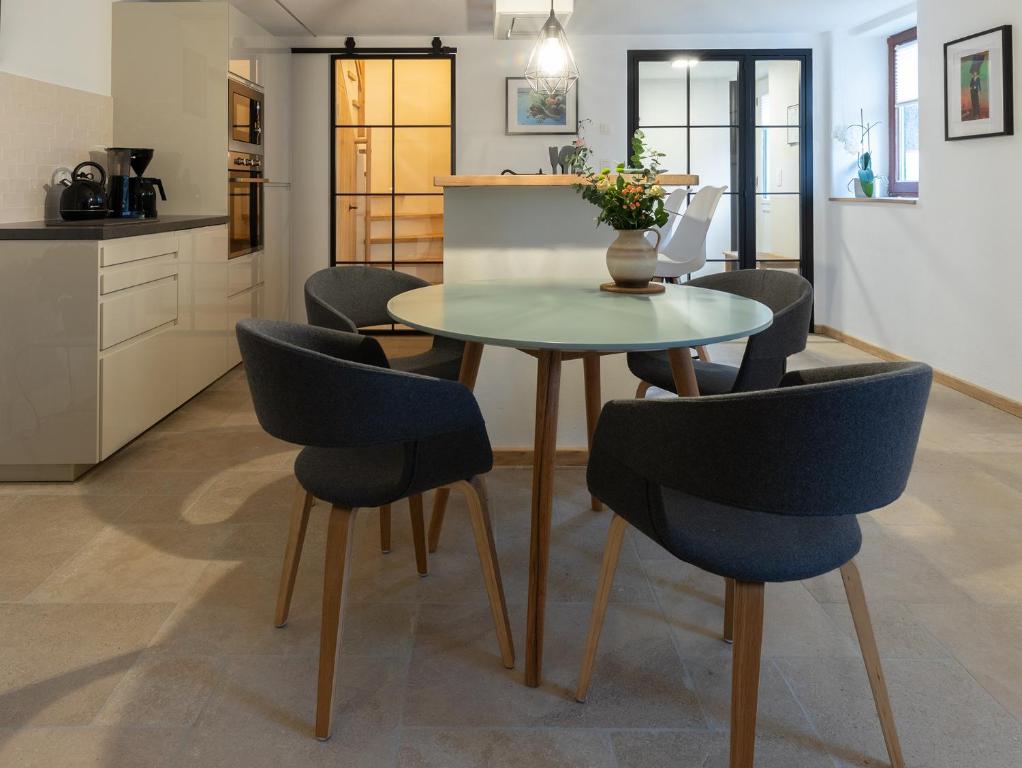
[(631, 199), (856, 140)]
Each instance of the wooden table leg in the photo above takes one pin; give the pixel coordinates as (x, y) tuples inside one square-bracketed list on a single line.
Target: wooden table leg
[(684, 372), (467, 375), (594, 404), (548, 386)]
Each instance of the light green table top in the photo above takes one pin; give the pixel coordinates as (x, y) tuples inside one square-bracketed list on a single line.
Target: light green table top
[(575, 315)]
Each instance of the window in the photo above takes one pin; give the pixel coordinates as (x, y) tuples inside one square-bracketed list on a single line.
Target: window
[(903, 113)]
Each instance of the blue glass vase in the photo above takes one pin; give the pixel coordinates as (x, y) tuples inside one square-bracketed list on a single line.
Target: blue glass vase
[(867, 179)]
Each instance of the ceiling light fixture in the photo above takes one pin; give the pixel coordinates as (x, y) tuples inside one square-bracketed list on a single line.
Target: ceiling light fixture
[(551, 68), (685, 63)]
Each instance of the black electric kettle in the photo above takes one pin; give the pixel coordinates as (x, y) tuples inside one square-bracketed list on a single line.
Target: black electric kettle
[(84, 198)]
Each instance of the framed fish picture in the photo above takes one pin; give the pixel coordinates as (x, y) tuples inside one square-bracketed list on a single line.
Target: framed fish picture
[(531, 112), (978, 88)]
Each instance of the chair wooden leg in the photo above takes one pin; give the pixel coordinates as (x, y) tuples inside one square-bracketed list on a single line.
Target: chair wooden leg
[(479, 511), (470, 359), (684, 373), (339, 541), (871, 658), (293, 552), (594, 403), (704, 353), (611, 553), (436, 519), (418, 534), (643, 388), (745, 672), (729, 610), (385, 528)]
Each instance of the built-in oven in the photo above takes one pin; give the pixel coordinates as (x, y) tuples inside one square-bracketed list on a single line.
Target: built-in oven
[(245, 110), (245, 202)]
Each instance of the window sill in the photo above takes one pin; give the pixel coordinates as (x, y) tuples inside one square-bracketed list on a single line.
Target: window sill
[(878, 200)]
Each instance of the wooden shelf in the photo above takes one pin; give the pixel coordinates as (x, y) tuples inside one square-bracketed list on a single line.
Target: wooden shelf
[(877, 200), (547, 180), (407, 238), (387, 217)]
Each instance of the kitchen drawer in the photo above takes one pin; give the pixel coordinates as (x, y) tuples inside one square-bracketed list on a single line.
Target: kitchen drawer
[(210, 244), (138, 387), (137, 273), (136, 248), (134, 311), (244, 272), (241, 307)]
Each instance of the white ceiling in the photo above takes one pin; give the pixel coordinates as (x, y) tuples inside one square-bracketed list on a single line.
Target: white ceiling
[(457, 17)]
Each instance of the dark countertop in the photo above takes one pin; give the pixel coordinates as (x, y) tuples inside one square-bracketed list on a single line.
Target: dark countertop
[(103, 229)]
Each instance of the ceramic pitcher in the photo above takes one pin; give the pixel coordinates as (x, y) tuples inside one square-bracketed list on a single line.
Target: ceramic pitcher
[(631, 260)]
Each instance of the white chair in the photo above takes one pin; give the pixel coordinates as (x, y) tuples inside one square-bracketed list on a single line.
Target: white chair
[(683, 240)]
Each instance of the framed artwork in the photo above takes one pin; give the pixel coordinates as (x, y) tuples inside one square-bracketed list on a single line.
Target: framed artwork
[(529, 112), (978, 90), (793, 117)]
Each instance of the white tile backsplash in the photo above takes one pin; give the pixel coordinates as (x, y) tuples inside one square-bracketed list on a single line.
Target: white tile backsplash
[(45, 127)]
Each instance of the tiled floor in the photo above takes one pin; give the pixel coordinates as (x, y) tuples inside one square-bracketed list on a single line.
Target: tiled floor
[(136, 605)]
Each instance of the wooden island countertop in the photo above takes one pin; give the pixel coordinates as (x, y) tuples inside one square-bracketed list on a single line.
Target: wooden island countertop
[(545, 180)]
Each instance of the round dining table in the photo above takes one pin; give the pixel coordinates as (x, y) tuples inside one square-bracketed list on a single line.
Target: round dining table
[(558, 320)]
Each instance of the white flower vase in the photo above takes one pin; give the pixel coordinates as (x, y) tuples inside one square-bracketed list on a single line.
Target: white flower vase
[(631, 260)]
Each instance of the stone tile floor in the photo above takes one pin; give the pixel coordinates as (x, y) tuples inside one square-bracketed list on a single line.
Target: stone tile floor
[(136, 605)]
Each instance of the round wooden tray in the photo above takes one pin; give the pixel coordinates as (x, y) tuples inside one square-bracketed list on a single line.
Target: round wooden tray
[(652, 288)]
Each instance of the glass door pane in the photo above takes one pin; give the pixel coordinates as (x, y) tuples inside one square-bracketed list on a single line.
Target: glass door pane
[(663, 94), (778, 164), (712, 101)]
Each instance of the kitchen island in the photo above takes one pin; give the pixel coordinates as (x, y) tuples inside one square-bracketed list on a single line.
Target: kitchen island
[(530, 226)]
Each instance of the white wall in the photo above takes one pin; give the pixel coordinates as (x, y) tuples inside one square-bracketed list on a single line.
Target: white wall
[(937, 281), (65, 42), (859, 86)]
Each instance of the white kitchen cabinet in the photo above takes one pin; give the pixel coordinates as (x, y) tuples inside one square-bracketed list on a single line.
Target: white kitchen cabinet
[(242, 306), (202, 330), (100, 339), (138, 387), (244, 272)]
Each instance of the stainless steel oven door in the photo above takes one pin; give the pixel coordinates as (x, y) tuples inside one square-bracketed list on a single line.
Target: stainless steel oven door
[(245, 209)]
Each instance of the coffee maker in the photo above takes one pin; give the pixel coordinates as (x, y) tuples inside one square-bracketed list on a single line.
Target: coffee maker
[(132, 197)]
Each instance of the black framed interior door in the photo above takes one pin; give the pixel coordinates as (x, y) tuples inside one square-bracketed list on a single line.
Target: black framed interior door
[(392, 132), (741, 119)]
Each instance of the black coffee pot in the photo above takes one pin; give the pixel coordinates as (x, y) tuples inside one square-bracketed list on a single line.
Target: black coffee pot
[(143, 194), (84, 198)]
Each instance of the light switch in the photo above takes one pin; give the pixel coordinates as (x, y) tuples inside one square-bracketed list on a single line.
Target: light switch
[(604, 129)]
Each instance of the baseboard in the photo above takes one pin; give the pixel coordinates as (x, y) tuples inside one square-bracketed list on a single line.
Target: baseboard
[(42, 473), (522, 457), (976, 392)]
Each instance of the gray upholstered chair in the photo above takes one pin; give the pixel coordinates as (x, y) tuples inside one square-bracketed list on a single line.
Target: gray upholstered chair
[(372, 436), (351, 298), (790, 296), (829, 444)]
